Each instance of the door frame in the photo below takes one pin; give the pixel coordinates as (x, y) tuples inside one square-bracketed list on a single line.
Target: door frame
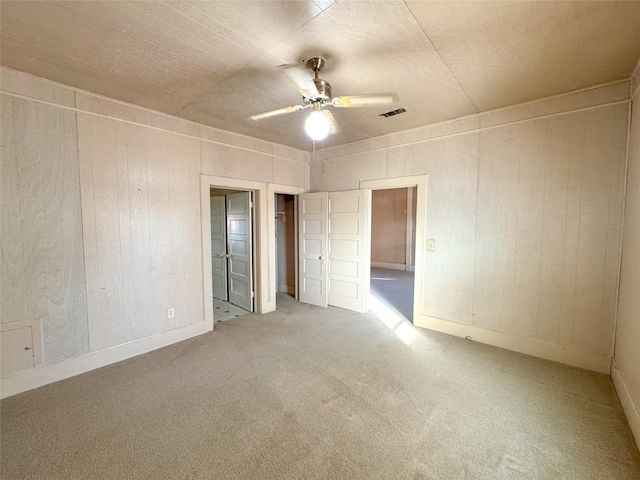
[(272, 189), (264, 239), (420, 182)]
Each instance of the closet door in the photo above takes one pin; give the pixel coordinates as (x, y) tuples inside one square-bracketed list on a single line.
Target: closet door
[(334, 246), (239, 248), (312, 248), (349, 249), (219, 247)]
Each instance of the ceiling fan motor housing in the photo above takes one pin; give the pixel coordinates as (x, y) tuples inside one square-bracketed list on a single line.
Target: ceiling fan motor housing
[(324, 91)]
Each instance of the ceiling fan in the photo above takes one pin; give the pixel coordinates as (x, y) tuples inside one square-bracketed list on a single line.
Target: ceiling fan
[(316, 93)]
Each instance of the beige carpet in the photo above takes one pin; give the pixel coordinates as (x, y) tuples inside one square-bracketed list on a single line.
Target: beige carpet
[(306, 393)]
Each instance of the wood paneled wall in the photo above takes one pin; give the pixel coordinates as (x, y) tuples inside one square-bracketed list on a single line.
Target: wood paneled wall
[(389, 226), (141, 217), (526, 213), (95, 185), (627, 353), (41, 229)]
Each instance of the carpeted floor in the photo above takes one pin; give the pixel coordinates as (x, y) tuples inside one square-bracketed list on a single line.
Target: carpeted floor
[(310, 393), (395, 289)]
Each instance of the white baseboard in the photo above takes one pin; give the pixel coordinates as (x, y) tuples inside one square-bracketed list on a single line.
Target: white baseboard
[(54, 372), (529, 346), (287, 289), (628, 405), (390, 266)]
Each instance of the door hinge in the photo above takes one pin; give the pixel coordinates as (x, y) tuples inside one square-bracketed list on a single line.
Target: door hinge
[(253, 294), (250, 204)]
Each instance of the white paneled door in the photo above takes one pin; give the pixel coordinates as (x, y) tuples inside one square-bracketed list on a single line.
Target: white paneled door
[(349, 249), (312, 245), (239, 249), (334, 245), (219, 247)]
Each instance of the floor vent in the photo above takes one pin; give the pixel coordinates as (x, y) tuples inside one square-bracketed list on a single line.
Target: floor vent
[(393, 113)]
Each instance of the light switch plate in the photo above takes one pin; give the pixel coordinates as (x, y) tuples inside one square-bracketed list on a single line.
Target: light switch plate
[(431, 245)]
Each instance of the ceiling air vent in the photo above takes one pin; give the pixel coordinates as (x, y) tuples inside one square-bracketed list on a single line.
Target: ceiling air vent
[(393, 113)]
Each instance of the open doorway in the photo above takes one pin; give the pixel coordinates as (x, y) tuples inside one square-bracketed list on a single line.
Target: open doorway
[(232, 253), (393, 240), (286, 245)]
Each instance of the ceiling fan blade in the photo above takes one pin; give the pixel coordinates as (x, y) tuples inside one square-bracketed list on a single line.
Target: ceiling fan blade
[(332, 121), (300, 78), (362, 100), (279, 111)]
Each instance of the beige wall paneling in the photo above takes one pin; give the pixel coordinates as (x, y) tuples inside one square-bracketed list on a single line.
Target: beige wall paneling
[(98, 180), (572, 227), (626, 365), (27, 85), (30, 153), (13, 306), (589, 97), (65, 332), (539, 254), (140, 206), (498, 173), (186, 246), (606, 339), (238, 162), (43, 272), (289, 172), (531, 160), (128, 272), (162, 296), (144, 255), (554, 227), (345, 173), (451, 222), (389, 228), (603, 153)]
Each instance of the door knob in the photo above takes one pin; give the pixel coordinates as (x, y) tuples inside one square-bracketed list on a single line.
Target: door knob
[(320, 257), (28, 347)]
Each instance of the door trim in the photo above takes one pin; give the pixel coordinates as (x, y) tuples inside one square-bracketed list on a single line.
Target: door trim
[(419, 181), (272, 189), (260, 247), (264, 236)]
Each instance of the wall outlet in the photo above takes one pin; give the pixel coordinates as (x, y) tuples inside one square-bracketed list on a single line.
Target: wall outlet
[(170, 313), (431, 244)]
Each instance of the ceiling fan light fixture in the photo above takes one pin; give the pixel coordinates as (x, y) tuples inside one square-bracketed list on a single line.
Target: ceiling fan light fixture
[(317, 125)]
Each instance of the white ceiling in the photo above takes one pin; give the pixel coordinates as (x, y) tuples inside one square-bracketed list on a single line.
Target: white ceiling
[(214, 62)]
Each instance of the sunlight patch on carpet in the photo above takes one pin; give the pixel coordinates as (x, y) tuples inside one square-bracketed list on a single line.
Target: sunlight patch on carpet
[(393, 320)]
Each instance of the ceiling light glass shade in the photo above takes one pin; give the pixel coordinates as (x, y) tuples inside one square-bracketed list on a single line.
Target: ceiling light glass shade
[(317, 125)]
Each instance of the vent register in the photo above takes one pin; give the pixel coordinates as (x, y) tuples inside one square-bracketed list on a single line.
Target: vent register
[(392, 113)]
